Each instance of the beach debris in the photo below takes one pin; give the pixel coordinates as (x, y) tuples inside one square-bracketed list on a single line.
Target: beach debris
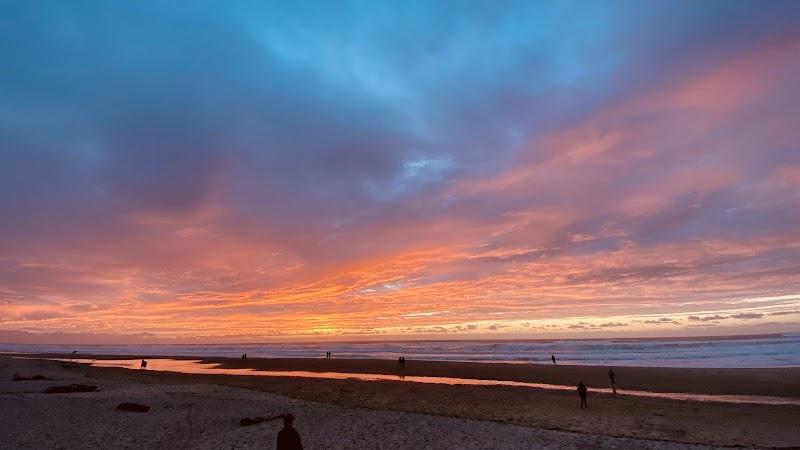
[(17, 377), (248, 421), (133, 407), (70, 389)]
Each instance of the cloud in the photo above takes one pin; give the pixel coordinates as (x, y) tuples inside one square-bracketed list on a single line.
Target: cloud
[(313, 182), (706, 318), (425, 314), (664, 320), (747, 316), (783, 313), (612, 325)]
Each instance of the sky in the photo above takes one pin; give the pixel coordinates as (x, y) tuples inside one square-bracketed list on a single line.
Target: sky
[(279, 171)]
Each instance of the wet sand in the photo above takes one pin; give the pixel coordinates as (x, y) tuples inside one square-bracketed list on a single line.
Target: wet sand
[(399, 413), (779, 382)]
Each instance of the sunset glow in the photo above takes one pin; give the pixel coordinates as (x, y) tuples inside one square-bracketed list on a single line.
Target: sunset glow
[(215, 174)]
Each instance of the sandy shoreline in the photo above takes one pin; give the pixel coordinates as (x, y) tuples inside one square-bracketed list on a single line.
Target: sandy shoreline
[(529, 417), (778, 382)]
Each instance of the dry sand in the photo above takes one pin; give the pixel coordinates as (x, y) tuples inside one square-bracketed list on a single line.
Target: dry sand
[(202, 411)]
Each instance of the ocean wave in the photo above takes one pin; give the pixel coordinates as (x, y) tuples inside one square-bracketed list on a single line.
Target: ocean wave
[(766, 351)]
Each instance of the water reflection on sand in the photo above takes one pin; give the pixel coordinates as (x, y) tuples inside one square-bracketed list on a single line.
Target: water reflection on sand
[(198, 367)]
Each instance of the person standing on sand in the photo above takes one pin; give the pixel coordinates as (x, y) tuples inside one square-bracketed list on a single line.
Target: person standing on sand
[(612, 377), (143, 365), (288, 437), (553, 357), (582, 392)]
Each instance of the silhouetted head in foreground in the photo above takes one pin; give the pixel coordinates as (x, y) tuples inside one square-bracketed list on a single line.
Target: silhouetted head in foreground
[(288, 437)]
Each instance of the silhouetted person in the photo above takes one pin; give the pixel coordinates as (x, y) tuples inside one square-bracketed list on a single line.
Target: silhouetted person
[(582, 392), (553, 357), (612, 377), (143, 365), (244, 356), (403, 362), (288, 437)]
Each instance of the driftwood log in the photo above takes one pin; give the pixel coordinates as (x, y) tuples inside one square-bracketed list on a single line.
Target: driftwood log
[(17, 377), (248, 421), (70, 388), (133, 407)]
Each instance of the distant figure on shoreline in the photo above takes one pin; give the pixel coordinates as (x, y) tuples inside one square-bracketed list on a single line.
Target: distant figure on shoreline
[(143, 365), (244, 356), (582, 392), (402, 362), (553, 357), (327, 355), (288, 437), (612, 377)]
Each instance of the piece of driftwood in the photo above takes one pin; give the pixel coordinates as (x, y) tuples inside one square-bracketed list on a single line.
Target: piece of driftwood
[(133, 407), (248, 421), (17, 377), (70, 388)]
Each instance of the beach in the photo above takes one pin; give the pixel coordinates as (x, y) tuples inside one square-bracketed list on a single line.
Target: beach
[(203, 411)]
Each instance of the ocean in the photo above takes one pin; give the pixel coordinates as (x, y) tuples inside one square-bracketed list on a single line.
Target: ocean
[(780, 350)]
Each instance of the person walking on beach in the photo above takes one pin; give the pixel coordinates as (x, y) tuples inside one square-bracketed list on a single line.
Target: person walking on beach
[(553, 357), (244, 356), (612, 377), (582, 393), (143, 365), (288, 437)]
